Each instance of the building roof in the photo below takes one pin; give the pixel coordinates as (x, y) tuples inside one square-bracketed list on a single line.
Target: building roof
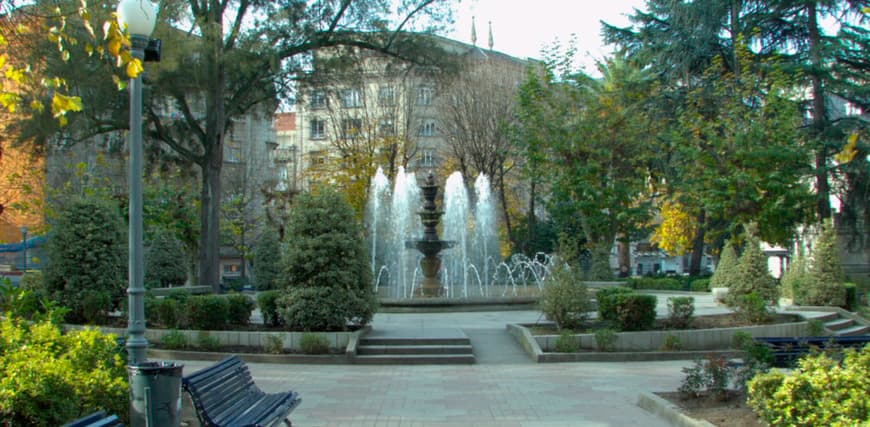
[(285, 122)]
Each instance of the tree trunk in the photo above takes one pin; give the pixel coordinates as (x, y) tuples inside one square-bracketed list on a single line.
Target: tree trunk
[(698, 245), (820, 116), (623, 252), (209, 237), (532, 221)]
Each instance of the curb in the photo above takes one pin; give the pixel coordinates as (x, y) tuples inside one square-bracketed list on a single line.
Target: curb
[(668, 411)]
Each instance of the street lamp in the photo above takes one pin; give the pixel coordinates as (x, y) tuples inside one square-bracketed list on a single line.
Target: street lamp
[(139, 16)]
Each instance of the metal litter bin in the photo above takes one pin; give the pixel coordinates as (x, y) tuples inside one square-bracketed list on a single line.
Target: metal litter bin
[(155, 394)]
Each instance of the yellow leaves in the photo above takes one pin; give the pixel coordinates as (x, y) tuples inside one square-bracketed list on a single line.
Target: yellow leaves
[(115, 47), (61, 104), (674, 234), (134, 68), (850, 151)]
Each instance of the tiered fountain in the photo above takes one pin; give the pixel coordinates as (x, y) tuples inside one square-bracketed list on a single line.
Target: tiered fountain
[(430, 245)]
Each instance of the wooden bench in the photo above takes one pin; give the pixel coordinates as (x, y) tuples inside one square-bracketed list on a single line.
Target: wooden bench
[(225, 395), (788, 350), (97, 419)]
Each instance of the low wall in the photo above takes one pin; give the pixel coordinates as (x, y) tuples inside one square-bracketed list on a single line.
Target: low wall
[(691, 339), (254, 339)]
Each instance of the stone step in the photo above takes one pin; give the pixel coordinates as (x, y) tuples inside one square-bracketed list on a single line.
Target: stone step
[(407, 341), (838, 324), (414, 349), (833, 315), (853, 330), (390, 359)]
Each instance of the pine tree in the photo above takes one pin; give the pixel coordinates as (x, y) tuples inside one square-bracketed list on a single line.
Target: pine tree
[(826, 284), (752, 276), (794, 280), (723, 277), (165, 261), (267, 256)]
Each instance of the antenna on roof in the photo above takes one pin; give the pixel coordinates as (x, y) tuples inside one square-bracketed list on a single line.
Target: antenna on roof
[(473, 33), (490, 36)]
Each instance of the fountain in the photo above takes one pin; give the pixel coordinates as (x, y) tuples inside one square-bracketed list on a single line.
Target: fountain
[(471, 270), (430, 245)]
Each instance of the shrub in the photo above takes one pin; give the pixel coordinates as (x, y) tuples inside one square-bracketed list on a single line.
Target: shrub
[(269, 307), (87, 260), (825, 285), (267, 256), (605, 339), (567, 342), (635, 312), (239, 309), (815, 327), (700, 285), (326, 262), (312, 343), (274, 344), (606, 303), (757, 358), (18, 301), (174, 340), (752, 276), (235, 284), (672, 343), (207, 312), (851, 296), (164, 261), (753, 308), (168, 312), (205, 341), (33, 282), (657, 283), (680, 312), (794, 281), (321, 309), (726, 268), (820, 391), (48, 378), (711, 375), (564, 300)]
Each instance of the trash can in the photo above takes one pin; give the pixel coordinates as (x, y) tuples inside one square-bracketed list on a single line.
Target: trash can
[(155, 394)]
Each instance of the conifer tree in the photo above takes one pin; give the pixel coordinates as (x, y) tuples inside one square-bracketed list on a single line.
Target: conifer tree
[(725, 269), (165, 261), (752, 276), (826, 276), (267, 255)]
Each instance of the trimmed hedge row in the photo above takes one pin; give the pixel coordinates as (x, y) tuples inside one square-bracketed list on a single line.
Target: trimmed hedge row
[(681, 283), (627, 310), (181, 310)]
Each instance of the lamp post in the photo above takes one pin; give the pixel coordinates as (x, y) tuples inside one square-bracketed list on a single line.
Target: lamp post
[(139, 16), (24, 244)]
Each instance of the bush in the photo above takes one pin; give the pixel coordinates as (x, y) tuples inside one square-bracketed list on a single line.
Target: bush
[(164, 261), (757, 358), (168, 312), (33, 282), (206, 342), (605, 339), (235, 284), (174, 340), (672, 343), (267, 256), (794, 281), (657, 283), (321, 309), (274, 344), (564, 299), (269, 307), (87, 256), (567, 342), (851, 296), (753, 308), (207, 312), (18, 301), (711, 375), (326, 265), (752, 276), (700, 285), (825, 284), (820, 391), (726, 268), (606, 302), (312, 343), (635, 312), (680, 312), (239, 309), (48, 378)]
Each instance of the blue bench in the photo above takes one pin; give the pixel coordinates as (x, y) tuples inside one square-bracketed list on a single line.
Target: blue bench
[(97, 419), (788, 350), (225, 395)]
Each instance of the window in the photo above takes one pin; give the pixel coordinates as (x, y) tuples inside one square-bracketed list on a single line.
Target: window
[(318, 129), (387, 127), (427, 158), (351, 98), (427, 128), (233, 152), (351, 128), (318, 100), (425, 95), (386, 95)]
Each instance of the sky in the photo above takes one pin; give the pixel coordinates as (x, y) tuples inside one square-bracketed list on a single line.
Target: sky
[(523, 28)]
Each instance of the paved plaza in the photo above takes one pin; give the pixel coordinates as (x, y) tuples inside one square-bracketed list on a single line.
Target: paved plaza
[(504, 388)]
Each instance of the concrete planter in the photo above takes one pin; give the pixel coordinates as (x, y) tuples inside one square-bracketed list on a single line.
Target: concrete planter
[(719, 294)]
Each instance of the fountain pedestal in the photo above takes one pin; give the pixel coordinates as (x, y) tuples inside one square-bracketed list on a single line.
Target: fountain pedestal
[(430, 245)]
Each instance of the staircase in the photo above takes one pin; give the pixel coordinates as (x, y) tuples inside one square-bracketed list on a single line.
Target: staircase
[(414, 347), (842, 326)]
